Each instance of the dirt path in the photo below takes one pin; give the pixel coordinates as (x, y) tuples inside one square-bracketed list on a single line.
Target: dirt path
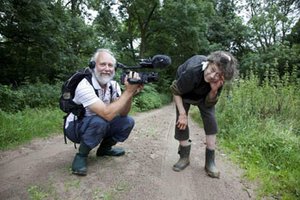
[(41, 169)]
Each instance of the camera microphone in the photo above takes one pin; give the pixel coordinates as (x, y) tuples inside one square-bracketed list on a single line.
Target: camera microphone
[(157, 61), (160, 61)]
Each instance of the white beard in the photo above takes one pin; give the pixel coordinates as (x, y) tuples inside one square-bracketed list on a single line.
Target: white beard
[(103, 79)]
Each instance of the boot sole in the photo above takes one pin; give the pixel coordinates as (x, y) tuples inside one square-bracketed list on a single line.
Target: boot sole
[(211, 174), (104, 154), (79, 173), (176, 169)]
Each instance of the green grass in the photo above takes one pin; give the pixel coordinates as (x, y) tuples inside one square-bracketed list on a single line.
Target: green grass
[(21, 127), (37, 193), (259, 130), (270, 155)]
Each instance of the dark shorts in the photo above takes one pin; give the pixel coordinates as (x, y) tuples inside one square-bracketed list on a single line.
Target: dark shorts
[(208, 117)]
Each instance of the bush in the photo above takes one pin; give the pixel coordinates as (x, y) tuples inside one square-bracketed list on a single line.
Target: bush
[(280, 57), (147, 99), (41, 94), (11, 100), (33, 96)]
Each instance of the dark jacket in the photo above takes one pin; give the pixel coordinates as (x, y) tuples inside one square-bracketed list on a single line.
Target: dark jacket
[(190, 83)]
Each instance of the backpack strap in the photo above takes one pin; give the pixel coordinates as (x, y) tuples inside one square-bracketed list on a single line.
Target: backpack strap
[(111, 88), (65, 133), (89, 79), (111, 92)]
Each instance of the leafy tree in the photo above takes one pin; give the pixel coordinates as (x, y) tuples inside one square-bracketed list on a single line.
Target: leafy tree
[(40, 40), (24, 36), (280, 58), (270, 21), (294, 37), (130, 27), (226, 28), (184, 25), (268, 25), (109, 26)]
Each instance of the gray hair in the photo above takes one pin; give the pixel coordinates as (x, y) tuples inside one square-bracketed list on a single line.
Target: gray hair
[(226, 62), (96, 55)]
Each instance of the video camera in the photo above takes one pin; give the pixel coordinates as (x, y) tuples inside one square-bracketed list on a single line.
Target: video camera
[(157, 61)]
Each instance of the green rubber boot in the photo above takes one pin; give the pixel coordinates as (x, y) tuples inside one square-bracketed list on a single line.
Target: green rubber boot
[(210, 166), (79, 165), (106, 149), (184, 160)]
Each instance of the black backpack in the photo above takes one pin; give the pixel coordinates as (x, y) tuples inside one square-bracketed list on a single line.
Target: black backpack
[(66, 102)]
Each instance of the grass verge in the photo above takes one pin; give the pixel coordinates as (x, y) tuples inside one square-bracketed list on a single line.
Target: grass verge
[(21, 127)]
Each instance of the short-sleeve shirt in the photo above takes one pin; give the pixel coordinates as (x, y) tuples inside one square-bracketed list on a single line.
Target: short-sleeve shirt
[(85, 94)]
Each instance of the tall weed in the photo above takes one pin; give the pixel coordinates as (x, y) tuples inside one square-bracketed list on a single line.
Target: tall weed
[(259, 127)]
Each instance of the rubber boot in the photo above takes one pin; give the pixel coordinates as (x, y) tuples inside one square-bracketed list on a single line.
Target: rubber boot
[(79, 165), (106, 149), (210, 166), (184, 160)]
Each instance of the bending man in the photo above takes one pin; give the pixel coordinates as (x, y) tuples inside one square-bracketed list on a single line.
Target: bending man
[(199, 82)]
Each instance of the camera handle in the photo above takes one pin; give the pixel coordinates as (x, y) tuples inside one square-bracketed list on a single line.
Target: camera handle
[(130, 80), (134, 81)]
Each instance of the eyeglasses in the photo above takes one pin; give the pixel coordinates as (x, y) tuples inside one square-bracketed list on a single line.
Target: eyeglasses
[(215, 72)]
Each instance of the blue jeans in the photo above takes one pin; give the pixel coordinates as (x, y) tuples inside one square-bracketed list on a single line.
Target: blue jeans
[(92, 129)]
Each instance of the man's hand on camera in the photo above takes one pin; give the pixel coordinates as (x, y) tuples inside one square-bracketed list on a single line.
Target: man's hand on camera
[(134, 88)]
